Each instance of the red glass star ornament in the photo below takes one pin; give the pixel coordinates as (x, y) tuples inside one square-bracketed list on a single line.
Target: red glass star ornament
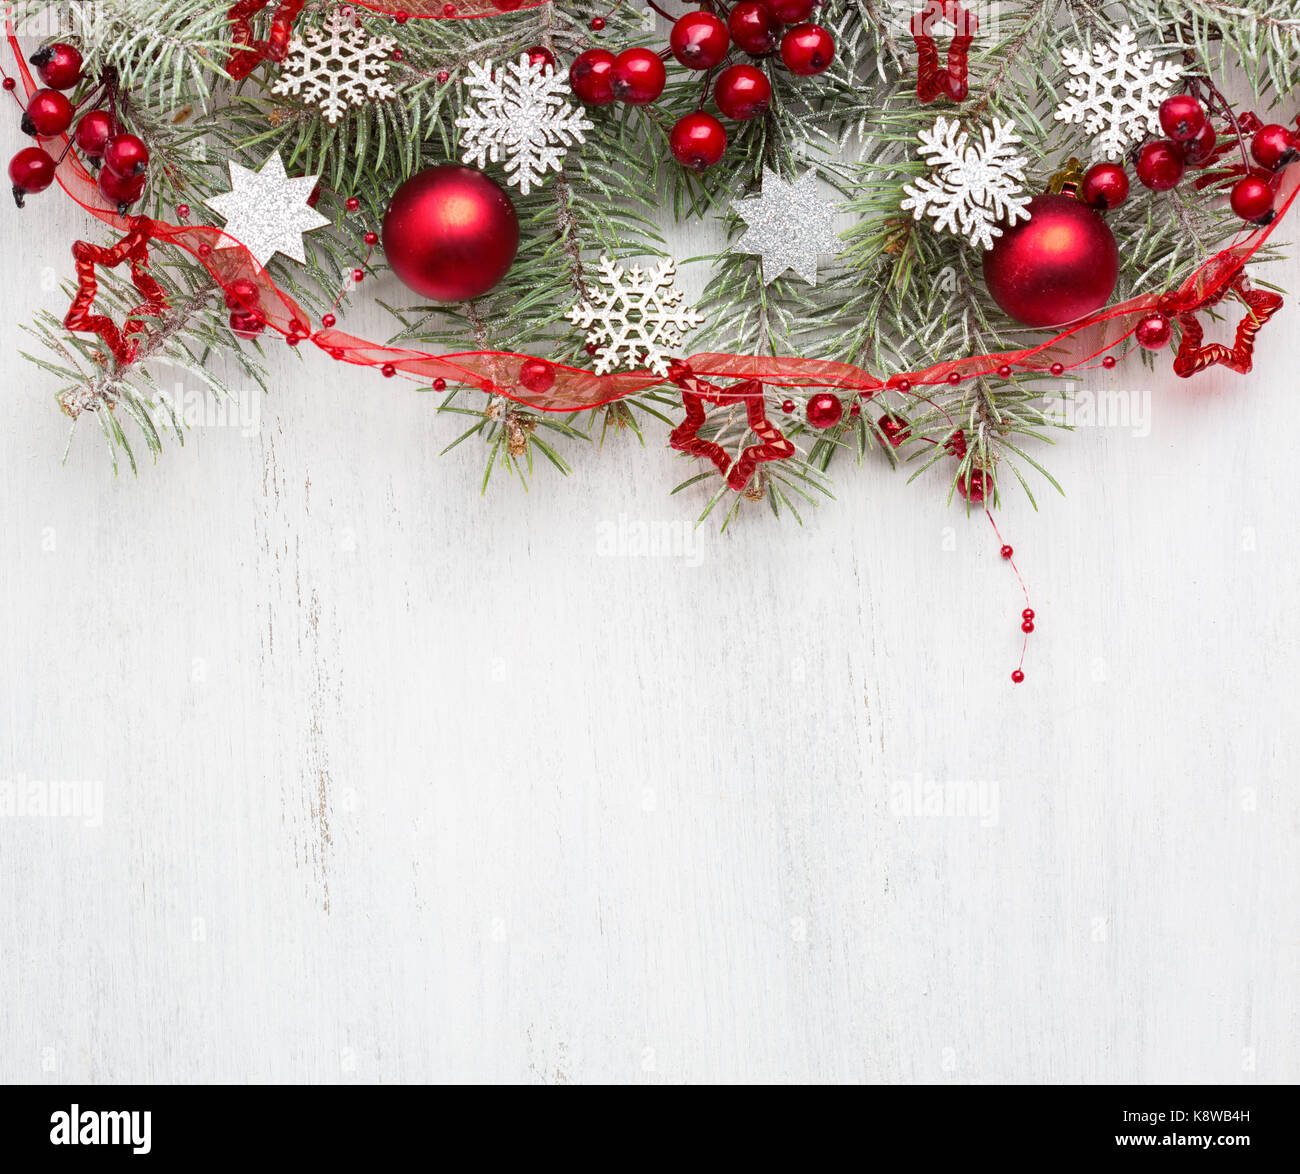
[(1194, 356), (133, 248), (951, 81)]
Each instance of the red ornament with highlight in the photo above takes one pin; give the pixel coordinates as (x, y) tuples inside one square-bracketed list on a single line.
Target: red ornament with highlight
[(59, 65), (48, 114), (1161, 166), (1154, 332), (589, 77), (742, 92), (1105, 187), (824, 410), (807, 49), (699, 40), (638, 76), (752, 28)]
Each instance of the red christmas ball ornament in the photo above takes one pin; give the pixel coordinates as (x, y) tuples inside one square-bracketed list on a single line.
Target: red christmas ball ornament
[(450, 233), (1161, 166), (824, 410), (976, 485), (1252, 199), (589, 77), (742, 92), (241, 294), (540, 55), (699, 40), (1274, 146), (1182, 117), (752, 28), (48, 114), (59, 65), (1057, 267), (697, 140), (30, 171), (127, 155), (1154, 332), (638, 76), (1105, 187), (789, 11), (120, 190), (537, 375), (1203, 148), (894, 429), (245, 325), (807, 49)]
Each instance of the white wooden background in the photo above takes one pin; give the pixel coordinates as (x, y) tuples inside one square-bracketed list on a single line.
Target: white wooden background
[(400, 783)]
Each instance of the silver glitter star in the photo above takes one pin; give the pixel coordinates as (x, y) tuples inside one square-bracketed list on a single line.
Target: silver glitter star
[(266, 211), (789, 224)]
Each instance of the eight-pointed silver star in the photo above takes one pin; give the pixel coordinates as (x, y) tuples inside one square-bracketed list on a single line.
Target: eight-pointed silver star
[(266, 211), (788, 225)]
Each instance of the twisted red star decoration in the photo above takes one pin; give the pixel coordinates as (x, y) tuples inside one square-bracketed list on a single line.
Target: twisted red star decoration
[(1193, 356), (772, 444), (952, 80), (134, 248), (275, 48)]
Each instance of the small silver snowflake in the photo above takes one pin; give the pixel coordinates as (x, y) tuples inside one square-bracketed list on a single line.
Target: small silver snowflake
[(1116, 92), (973, 188), (336, 66), (633, 317), (523, 115)]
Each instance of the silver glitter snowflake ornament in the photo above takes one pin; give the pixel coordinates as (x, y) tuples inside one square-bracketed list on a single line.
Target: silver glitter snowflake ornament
[(522, 115), (266, 211), (634, 318), (1116, 92), (788, 225), (336, 66), (973, 187)]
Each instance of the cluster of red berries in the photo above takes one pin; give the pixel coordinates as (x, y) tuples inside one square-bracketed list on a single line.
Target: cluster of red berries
[(50, 114), (1192, 142), (702, 41), (244, 303)]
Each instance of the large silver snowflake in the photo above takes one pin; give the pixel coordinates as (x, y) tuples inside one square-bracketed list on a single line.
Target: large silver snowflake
[(523, 115), (634, 318), (973, 188), (1116, 92), (336, 66)]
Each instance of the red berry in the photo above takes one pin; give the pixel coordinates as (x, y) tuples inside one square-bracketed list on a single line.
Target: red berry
[(540, 55), (1007, 552), (246, 325), (824, 410), (597, 23), (1182, 117), (537, 375), (1154, 332), (241, 294), (328, 321), (9, 84), (752, 28), (182, 211), (371, 238), (59, 65), (48, 114), (742, 92), (358, 276), (1274, 146), (589, 77), (807, 49), (120, 190), (1027, 627), (95, 129), (388, 370), (699, 40), (789, 11), (697, 140), (1252, 199), (440, 384), (894, 430), (127, 155), (352, 204), (976, 486), (1160, 166), (1202, 149), (30, 171), (1018, 677), (638, 76), (442, 77), (1105, 186), (1004, 372)]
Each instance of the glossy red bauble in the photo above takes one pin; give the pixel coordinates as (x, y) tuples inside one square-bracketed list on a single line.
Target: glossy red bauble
[(1154, 332), (638, 76), (976, 485), (1182, 117), (789, 11), (537, 375), (1252, 199), (824, 410), (127, 155), (699, 40), (540, 55), (752, 28), (697, 140), (246, 325), (1057, 267), (1161, 166), (807, 49), (589, 77), (1274, 146), (59, 65), (1203, 148), (30, 171), (48, 113), (241, 295), (450, 233), (1105, 186), (95, 130), (742, 92), (120, 190), (895, 430)]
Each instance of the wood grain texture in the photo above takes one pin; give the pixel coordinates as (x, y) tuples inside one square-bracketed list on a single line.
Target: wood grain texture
[(404, 784)]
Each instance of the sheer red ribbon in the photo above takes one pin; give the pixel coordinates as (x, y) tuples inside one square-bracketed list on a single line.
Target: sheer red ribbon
[(1082, 345)]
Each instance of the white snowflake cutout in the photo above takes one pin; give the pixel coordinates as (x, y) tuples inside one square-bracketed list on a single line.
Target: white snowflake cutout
[(522, 115), (337, 66), (1116, 92), (972, 187), (634, 318)]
